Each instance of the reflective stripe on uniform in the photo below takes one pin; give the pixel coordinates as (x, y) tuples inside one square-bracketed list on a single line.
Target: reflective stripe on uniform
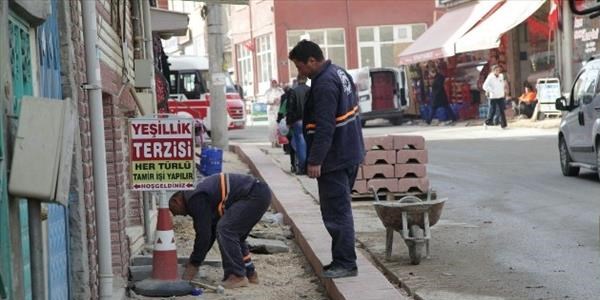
[(340, 120), (224, 193)]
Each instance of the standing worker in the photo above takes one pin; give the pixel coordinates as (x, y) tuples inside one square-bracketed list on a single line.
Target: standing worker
[(224, 207), (495, 87), (334, 149), (295, 112)]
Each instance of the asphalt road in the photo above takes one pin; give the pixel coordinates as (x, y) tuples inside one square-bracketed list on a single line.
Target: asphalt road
[(513, 226)]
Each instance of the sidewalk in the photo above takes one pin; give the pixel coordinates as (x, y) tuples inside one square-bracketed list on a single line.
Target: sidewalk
[(302, 212)]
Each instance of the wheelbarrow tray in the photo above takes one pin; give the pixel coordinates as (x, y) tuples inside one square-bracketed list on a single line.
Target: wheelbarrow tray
[(390, 213)]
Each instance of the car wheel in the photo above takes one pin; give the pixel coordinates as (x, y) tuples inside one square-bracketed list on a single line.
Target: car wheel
[(565, 160)]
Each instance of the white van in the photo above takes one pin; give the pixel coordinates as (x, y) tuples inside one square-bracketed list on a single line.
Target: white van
[(579, 133), (382, 93)]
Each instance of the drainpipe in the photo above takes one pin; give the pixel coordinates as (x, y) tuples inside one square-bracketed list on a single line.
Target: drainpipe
[(94, 88)]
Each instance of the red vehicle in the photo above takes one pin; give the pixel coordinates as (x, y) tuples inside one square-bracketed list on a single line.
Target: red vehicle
[(189, 96)]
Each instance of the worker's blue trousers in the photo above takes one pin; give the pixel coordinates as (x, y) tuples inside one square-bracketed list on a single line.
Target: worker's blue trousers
[(336, 209), (235, 225)]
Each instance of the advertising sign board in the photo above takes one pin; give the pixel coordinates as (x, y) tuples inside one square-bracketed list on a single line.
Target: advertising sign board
[(162, 154)]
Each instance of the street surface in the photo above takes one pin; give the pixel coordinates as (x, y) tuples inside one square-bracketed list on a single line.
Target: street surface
[(513, 226)]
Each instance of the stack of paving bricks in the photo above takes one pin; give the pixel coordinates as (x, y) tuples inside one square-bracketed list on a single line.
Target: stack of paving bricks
[(393, 163)]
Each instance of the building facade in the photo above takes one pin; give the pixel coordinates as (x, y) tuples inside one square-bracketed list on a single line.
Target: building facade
[(352, 34)]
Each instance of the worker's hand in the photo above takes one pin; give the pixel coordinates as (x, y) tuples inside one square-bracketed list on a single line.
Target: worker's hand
[(313, 171), (190, 272)]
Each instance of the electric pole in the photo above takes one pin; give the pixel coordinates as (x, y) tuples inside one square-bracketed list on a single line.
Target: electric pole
[(218, 111)]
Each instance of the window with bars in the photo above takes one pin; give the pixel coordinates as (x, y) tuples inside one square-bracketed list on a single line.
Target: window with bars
[(378, 46), (264, 60), (332, 41), (244, 69)]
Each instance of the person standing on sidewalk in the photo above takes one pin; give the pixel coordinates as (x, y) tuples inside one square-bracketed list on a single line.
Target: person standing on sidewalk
[(495, 88), (224, 207), (334, 149), (293, 118)]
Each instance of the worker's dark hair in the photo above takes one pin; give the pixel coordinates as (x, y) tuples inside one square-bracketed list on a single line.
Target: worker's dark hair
[(526, 84), (305, 50)]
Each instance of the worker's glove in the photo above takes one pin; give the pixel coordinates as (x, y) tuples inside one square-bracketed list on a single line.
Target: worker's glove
[(190, 272)]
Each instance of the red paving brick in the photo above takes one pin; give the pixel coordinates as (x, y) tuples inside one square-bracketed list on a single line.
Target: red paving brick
[(380, 156), (360, 186), (380, 171), (412, 156), (379, 142), (410, 170), (414, 142), (381, 184), (359, 173), (413, 185), (311, 234)]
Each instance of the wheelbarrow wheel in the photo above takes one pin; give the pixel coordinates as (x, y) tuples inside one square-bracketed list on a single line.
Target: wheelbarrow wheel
[(416, 246)]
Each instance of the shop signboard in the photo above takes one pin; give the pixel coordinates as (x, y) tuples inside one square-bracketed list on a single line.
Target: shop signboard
[(548, 90), (586, 33), (162, 154)]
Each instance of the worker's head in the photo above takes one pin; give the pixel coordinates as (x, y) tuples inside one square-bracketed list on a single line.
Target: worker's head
[(308, 58), (177, 204), (274, 83), (527, 86)]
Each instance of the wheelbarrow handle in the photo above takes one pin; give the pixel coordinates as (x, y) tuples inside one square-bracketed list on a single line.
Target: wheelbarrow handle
[(372, 189)]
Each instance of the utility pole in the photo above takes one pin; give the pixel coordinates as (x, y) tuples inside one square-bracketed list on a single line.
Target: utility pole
[(218, 112), (567, 48)]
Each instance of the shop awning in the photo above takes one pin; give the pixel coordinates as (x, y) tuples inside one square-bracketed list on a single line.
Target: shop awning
[(167, 22), (438, 41), (487, 34)]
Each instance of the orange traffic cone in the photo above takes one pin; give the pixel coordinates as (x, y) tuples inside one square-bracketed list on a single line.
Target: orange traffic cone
[(164, 257)]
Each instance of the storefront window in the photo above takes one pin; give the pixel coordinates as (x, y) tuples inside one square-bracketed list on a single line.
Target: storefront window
[(384, 43)]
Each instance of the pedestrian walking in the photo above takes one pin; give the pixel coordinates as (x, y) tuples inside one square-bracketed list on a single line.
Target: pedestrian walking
[(295, 112), (495, 87), (224, 207), (440, 99), (334, 149)]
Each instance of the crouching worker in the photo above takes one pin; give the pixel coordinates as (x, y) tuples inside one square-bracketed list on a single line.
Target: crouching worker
[(224, 207)]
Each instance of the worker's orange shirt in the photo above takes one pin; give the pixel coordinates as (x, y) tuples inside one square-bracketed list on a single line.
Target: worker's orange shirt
[(528, 97)]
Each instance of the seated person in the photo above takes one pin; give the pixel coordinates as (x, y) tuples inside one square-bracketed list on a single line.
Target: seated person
[(527, 101)]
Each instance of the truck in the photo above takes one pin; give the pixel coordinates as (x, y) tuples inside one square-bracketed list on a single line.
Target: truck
[(189, 92), (382, 93)]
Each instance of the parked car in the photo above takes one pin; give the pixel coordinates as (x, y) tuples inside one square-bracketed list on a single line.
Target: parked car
[(579, 133), (382, 93)]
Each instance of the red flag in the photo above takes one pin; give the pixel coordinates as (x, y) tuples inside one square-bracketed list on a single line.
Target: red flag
[(554, 21), (250, 45)]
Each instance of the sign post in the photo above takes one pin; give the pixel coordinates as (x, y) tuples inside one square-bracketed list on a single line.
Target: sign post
[(162, 154)]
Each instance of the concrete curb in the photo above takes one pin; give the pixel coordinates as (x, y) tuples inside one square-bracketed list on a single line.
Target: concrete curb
[(303, 215)]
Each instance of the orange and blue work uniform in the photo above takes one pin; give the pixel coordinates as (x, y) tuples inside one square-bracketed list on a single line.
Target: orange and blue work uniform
[(334, 141), (225, 207)]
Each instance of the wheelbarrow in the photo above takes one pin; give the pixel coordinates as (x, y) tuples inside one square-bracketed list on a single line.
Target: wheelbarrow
[(412, 217)]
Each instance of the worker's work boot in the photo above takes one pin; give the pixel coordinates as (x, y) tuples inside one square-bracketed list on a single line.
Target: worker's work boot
[(339, 272), (234, 281), (253, 278)]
